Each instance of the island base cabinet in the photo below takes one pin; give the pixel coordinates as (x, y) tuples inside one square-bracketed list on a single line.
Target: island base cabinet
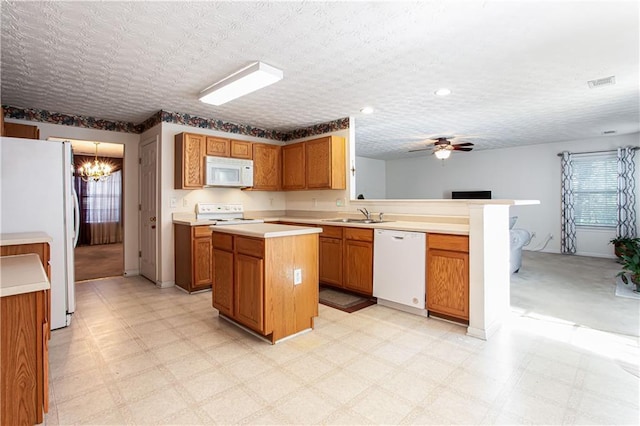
[(24, 361), (249, 292), (254, 282), (223, 283)]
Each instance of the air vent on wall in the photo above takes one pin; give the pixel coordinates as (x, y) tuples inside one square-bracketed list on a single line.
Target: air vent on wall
[(602, 82)]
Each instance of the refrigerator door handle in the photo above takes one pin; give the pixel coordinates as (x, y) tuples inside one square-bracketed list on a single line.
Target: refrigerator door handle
[(76, 218)]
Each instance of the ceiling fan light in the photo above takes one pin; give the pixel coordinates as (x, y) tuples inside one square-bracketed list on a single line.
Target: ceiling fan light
[(442, 154), (242, 82)]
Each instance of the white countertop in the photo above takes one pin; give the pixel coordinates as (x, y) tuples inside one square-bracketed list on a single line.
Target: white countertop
[(442, 227), (11, 239), (22, 274), (265, 230)]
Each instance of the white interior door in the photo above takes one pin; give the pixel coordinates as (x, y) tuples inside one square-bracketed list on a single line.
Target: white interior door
[(148, 210)]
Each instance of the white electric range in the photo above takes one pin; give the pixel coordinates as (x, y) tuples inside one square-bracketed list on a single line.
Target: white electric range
[(223, 214)]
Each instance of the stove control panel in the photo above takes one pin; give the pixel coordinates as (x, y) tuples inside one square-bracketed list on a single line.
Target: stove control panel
[(209, 208)]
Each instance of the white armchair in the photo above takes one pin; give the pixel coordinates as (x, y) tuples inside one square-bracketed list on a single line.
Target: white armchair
[(518, 238)]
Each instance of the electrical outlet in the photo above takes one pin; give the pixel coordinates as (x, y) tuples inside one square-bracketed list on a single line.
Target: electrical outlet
[(315, 202), (297, 276), (173, 202), (340, 202)]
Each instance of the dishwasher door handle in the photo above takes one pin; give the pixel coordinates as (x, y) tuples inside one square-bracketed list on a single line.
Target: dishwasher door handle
[(397, 238)]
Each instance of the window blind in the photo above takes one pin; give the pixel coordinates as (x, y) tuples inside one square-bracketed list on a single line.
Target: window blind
[(594, 185)]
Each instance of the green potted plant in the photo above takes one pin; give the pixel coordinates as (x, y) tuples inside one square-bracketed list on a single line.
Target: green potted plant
[(631, 265), (621, 243)]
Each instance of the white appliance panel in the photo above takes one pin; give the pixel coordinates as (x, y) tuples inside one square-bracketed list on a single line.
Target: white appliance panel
[(35, 180), (399, 267)]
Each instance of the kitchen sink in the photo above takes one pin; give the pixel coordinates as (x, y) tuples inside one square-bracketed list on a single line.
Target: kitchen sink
[(349, 220)]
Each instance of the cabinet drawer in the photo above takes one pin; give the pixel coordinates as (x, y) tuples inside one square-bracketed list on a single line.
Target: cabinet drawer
[(223, 241), (331, 231), (250, 246), (448, 242), (201, 231), (358, 234)]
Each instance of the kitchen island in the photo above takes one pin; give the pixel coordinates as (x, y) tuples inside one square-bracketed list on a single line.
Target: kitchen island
[(266, 277)]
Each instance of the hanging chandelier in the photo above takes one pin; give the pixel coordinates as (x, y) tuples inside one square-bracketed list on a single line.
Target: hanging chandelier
[(98, 171)]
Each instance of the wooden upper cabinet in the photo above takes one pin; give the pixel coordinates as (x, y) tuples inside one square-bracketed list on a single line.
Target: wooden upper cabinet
[(293, 170), (218, 147), (266, 167), (241, 149), (16, 130), (189, 161), (325, 166)]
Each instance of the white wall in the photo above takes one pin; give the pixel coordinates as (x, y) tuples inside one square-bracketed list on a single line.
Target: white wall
[(371, 178), (130, 176), (526, 172), (186, 200)]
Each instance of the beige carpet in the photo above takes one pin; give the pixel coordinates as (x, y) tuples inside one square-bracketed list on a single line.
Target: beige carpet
[(575, 289), (99, 261)]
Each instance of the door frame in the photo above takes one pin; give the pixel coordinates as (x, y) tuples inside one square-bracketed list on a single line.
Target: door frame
[(152, 140)]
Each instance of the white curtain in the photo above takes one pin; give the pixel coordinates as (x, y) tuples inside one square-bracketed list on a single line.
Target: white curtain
[(568, 221), (626, 226), (104, 209)]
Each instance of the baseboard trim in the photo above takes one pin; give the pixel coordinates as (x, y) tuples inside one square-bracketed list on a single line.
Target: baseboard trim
[(403, 308), (131, 272), (165, 284)]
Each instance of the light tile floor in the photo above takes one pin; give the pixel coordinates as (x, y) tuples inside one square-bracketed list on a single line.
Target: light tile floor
[(136, 354)]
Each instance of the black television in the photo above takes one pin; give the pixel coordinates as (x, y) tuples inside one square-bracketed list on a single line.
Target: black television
[(471, 195)]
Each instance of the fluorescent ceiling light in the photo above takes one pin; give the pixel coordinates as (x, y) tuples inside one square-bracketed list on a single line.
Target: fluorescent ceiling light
[(443, 92), (247, 80), (442, 154)]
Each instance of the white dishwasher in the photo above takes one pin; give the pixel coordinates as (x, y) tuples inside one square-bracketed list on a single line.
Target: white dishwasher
[(399, 267)]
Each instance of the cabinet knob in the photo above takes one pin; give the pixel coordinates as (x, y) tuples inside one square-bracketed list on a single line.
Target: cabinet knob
[(152, 219)]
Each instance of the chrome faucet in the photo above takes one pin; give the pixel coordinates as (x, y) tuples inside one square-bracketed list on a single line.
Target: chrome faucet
[(380, 215), (365, 212)]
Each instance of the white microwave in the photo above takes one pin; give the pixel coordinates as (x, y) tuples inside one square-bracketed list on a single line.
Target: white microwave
[(232, 172)]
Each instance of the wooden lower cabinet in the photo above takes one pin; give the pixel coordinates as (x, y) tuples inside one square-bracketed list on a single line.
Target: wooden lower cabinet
[(331, 261), (346, 258), (253, 282), (249, 291), (193, 254), (23, 337), (448, 276), (223, 287)]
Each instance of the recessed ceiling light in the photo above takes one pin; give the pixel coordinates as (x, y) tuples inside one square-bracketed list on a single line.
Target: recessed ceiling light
[(366, 110), (443, 92)]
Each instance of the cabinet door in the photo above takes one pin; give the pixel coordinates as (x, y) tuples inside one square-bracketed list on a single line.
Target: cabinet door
[(319, 167), (189, 161), (293, 166), (241, 149), (202, 261), (218, 147), (325, 168), (330, 261), (266, 167), (248, 291), (223, 281), (448, 283), (358, 266)]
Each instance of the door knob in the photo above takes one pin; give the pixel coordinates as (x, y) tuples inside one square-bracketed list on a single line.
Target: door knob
[(152, 219)]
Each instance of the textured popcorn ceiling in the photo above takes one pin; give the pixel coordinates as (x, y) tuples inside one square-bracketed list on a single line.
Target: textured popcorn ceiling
[(518, 71)]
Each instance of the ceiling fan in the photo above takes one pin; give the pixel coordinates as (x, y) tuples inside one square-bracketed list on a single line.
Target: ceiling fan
[(442, 148)]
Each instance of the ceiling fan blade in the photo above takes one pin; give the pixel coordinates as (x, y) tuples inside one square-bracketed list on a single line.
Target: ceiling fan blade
[(457, 148), (463, 144), (421, 149)]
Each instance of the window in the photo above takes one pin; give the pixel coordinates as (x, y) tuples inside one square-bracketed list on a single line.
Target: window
[(102, 199), (594, 184)]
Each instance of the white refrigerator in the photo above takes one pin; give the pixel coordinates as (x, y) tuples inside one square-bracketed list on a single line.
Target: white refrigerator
[(36, 184)]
